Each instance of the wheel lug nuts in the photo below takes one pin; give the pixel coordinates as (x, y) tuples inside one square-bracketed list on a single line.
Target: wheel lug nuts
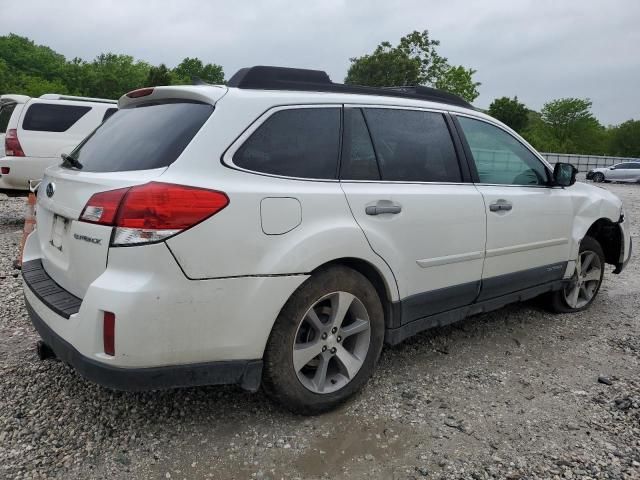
[(339, 339), (324, 336), (324, 348), (334, 330), (333, 350)]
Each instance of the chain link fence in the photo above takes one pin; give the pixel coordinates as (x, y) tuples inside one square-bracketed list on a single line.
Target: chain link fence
[(585, 163)]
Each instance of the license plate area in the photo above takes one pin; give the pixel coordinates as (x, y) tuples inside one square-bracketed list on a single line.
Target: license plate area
[(58, 231)]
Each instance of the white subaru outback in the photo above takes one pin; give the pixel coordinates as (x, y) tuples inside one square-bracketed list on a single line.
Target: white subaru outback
[(278, 230)]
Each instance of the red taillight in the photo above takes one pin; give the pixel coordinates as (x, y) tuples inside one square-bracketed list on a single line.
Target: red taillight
[(109, 333), (152, 212), (12, 147), (102, 207), (141, 92), (5, 170)]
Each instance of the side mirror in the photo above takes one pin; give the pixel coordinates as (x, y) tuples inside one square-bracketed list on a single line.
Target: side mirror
[(564, 174), (612, 168)]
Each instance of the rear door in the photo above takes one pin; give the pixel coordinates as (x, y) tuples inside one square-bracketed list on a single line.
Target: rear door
[(406, 189), (528, 222)]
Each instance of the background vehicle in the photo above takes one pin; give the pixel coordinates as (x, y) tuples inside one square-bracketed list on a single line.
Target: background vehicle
[(278, 230), (36, 131), (621, 172)]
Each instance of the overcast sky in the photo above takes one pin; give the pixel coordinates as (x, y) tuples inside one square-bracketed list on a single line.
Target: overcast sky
[(536, 49)]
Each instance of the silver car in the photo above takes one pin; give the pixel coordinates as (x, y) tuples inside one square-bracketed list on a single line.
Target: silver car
[(620, 172)]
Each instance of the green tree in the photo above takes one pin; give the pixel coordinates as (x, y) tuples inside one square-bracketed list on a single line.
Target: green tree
[(568, 126), (414, 61), (625, 139), (510, 112), (193, 67), (159, 75), (459, 81), (112, 75)]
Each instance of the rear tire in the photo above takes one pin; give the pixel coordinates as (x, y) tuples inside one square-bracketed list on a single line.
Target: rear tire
[(598, 177), (309, 367), (586, 281)]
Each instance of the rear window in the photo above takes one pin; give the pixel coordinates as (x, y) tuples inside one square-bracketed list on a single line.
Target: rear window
[(141, 138), (300, 143), (46, 117), (5, 115), (108, 113)]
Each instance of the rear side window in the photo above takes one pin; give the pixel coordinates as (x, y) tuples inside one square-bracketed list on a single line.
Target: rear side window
[(144, 137), (108, 113), (46, 117), (300, 143), (5, 115), (413, 146)]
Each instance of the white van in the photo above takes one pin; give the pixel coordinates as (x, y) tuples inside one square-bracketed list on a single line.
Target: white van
[(36, 131)]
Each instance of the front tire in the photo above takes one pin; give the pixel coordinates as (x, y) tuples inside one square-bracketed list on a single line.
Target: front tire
[(598, 177), (325, 343), (585, 284)]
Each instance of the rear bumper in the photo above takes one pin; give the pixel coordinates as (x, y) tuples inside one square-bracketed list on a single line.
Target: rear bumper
[(23, 169), (169, 331), (246, 373)]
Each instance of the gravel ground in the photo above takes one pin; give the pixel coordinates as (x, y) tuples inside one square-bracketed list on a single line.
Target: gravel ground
[(518, 393)]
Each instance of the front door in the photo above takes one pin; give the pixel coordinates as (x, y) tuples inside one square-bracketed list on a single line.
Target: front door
[(406, 192), (528, 221)]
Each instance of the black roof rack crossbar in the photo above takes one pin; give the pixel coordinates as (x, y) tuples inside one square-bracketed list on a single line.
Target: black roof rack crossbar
[(299, 79)]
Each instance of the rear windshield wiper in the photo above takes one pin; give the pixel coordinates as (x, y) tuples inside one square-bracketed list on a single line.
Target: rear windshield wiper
[(69, 160)]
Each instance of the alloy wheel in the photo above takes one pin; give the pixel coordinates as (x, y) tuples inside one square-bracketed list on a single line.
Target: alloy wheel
[(586, 280), (332, 342)]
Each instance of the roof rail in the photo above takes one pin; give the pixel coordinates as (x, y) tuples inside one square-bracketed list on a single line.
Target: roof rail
[(56, 96), (299, 79)]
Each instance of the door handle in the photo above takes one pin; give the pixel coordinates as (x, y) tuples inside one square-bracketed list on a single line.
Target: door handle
[(381, 208), (500, 206)]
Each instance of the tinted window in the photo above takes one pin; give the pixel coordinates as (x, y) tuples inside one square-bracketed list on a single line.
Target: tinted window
[(358, 155), (108, 113), (149, 136), (5, 114), (294, 143), (413, 146), (499, 157), (628, 166), (45, 117)]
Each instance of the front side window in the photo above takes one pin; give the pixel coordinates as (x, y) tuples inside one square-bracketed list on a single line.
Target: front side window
[(301, 142), (627, 166), (413, 146), (499, 157), (46, 117)]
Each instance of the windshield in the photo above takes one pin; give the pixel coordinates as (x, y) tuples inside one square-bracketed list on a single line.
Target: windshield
[(143, 137)]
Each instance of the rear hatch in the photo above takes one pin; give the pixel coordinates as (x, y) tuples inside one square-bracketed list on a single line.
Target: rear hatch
[(133, 148)]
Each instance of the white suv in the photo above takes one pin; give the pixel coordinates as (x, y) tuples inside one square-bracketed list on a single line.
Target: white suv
[(36, 131), (278, 230)]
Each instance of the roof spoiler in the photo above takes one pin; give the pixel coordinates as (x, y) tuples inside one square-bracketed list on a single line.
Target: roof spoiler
[(55, 96)]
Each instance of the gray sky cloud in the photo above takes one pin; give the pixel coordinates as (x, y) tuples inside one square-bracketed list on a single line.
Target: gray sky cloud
[(537, 50)]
